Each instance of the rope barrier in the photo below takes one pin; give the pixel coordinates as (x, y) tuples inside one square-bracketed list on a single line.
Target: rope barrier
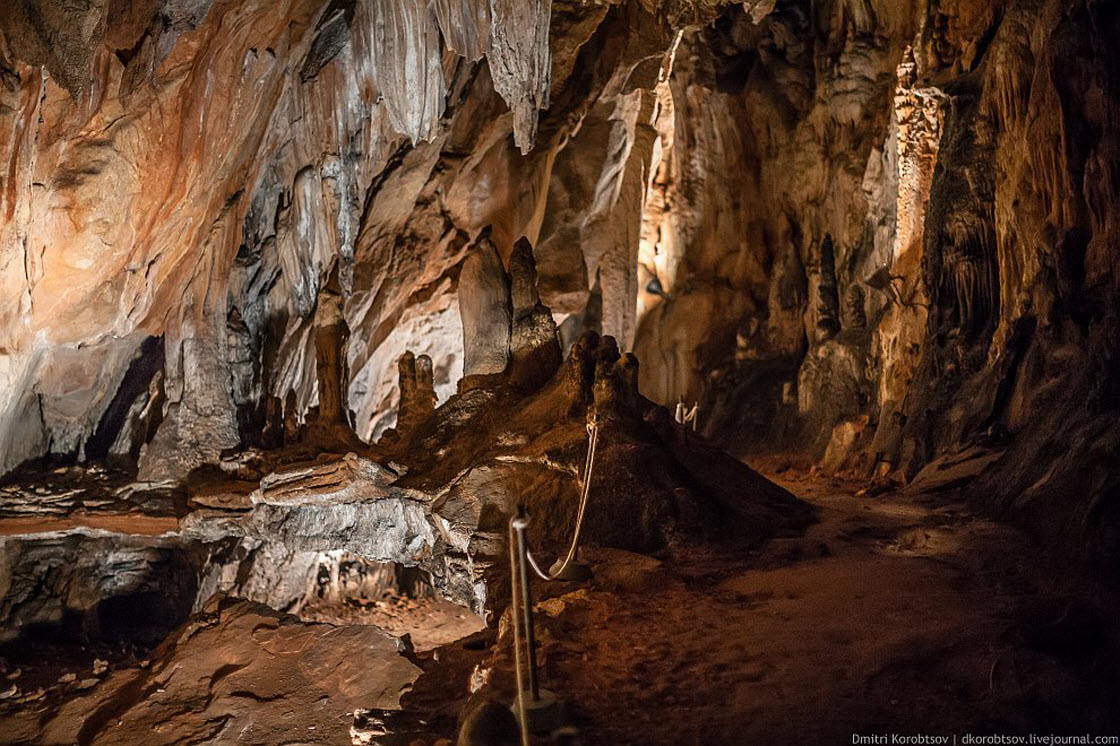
[(520, 558), (585, 490), (684, 415)]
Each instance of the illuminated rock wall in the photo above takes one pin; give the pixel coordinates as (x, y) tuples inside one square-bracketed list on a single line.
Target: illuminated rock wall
[(881, 229), (887, 231)]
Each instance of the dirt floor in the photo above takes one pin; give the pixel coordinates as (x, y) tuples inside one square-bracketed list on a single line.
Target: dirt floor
[(430, 622), (893, 614)]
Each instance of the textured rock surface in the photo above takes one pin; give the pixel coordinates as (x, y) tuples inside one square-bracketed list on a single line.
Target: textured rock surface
[(876, 210), (243, 673), (484, 308), (72, 579), (795, 213), (435, 495), (252, 149), (351, 506), (342, 284)]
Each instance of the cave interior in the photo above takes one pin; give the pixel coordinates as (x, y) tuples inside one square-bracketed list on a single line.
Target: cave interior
[(510, 372)]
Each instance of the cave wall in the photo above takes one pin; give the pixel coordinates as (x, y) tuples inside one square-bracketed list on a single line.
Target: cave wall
[(199, 173), (886, 235), (867, 233)]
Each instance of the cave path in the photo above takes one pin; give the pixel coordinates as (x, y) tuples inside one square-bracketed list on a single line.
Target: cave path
[(893, 613)]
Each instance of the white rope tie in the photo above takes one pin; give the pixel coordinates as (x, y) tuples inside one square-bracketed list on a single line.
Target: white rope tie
[(684, 415)]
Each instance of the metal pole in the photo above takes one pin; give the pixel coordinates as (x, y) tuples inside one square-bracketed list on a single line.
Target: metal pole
[(519, 525), (523, 721)]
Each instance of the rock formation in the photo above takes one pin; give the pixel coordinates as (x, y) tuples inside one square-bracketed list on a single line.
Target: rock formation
[(291, 284), (534, 345), (484, 307), (436, 495), (866, 209), (243, 672), (867, 213)]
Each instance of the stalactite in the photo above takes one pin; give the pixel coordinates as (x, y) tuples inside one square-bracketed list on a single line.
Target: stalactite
[(520, 61), (970, 279), (1007, 79), (407, 66), (465, 25)]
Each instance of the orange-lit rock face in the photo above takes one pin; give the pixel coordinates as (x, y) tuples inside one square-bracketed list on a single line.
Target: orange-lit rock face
[(126, 207), (194, 172)]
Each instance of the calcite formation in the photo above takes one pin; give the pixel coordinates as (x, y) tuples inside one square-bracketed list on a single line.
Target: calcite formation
[(434, 494), (484, 307), (796, 214), (872, 211), (291, 284)]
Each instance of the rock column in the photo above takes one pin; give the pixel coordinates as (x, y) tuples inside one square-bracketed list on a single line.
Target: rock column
[(534, 345), (484, 306), (331, 335)]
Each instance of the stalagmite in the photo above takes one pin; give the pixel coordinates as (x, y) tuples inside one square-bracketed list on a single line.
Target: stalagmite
[(291, 419), (827, 296), (534, 347), (272, 436), (484, 306), (417, 392), (331, 335), (199, 423)]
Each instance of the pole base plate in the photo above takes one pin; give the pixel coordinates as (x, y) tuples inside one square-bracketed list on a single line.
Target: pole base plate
[(544, 714)]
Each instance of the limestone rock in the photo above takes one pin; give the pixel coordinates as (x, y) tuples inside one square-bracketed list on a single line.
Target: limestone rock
[(99, 583), (534, 346), (484, 307), (417, 391), (751, 197)]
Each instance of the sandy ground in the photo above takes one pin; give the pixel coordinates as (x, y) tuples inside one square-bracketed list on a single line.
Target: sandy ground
[(893, 614)]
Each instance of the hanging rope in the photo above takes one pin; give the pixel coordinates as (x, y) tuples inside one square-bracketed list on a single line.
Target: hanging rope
[(588, 467), (684, 415)]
